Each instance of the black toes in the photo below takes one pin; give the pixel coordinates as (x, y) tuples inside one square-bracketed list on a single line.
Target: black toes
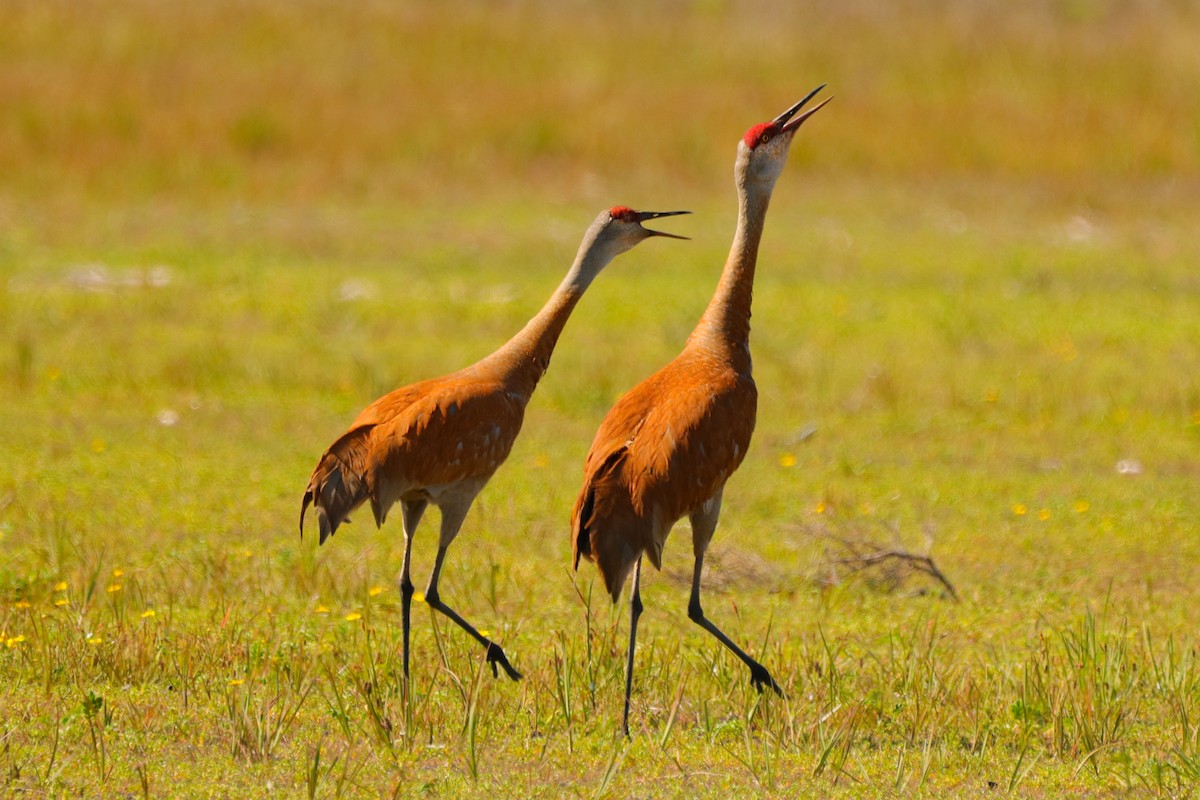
[(495, 656), (759, 677)]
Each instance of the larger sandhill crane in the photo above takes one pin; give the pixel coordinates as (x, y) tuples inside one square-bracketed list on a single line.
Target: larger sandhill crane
[(667, 447), (440, 440)]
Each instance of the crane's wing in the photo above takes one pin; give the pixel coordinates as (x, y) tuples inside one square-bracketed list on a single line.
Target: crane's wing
[(692, 440), (338, 485), (605, 526), (394, 403), (665, 448), (460, 429)]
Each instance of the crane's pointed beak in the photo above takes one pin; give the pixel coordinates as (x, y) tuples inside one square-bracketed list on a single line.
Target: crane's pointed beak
[(791, 127), (642, 216)]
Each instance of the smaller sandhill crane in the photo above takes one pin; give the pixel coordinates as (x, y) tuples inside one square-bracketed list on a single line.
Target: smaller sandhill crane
[(667, 447), (439, 441)]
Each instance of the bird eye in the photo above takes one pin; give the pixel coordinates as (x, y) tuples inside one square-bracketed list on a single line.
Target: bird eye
[(766, 137)]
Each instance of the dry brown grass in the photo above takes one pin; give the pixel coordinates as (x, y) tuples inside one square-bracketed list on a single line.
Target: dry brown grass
[(307, 102)]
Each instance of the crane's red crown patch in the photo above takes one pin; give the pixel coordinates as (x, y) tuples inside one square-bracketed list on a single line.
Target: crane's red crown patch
[(623, 213), (754, 136)]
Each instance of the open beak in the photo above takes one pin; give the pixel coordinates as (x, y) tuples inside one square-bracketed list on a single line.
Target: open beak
[(791, 127), (642, 216)]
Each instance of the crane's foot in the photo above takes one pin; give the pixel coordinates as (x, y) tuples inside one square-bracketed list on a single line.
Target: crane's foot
[(759, 677), (495, 656)]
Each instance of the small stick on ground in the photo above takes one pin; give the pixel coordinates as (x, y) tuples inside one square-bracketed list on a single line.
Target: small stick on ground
[(865, 554)]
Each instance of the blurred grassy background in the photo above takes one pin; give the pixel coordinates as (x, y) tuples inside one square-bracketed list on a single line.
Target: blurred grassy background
[(225, 227), (301, 103)]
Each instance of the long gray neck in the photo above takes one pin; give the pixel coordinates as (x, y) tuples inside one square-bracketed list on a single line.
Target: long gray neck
[(525, 357), (726, 321)]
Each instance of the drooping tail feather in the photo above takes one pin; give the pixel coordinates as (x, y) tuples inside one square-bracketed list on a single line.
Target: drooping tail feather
[(581, 542), (338, 485), (582, 518), (604, 527)]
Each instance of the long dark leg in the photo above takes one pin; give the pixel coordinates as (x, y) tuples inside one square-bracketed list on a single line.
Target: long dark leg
[(412, 515), (758, 673), (635, 611), (452, 519), (704, 523)]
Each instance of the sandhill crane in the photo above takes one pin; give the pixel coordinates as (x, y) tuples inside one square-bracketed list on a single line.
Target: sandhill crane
[(440, 440), (667, 447)]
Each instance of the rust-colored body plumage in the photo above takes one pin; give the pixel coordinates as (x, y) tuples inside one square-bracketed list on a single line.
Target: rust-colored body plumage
[(666, 449), (438, 442), (417, 441)]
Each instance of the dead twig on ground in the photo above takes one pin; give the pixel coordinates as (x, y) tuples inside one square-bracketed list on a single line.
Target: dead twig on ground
[(860, 554)]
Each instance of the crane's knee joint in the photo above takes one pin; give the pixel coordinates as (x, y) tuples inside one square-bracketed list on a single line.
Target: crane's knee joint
[(407, 590), (635, 605), (695, 612)]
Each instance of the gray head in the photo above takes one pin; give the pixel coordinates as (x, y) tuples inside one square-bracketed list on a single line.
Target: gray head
[(619, 229), (763, 151)]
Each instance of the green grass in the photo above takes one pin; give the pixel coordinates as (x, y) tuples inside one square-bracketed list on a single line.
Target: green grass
[(224, 230)]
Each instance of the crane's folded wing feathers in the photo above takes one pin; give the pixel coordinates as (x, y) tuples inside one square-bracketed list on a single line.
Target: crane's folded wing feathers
[(337, 485), (664, 449)]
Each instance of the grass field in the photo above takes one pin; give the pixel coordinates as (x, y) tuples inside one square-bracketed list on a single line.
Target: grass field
[(226, 227)]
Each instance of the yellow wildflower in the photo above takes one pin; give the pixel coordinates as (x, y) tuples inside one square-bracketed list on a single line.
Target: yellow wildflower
[(321, 610), (375, 591), (13, 641), (352, 616), (61, 586), (787, 460), (1065, 349), (1044, 514), (62, 601), (22, 604), (148, 613), (118, 572), (1081, 506), (237, 681), (1019, 509), (113, 588)]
